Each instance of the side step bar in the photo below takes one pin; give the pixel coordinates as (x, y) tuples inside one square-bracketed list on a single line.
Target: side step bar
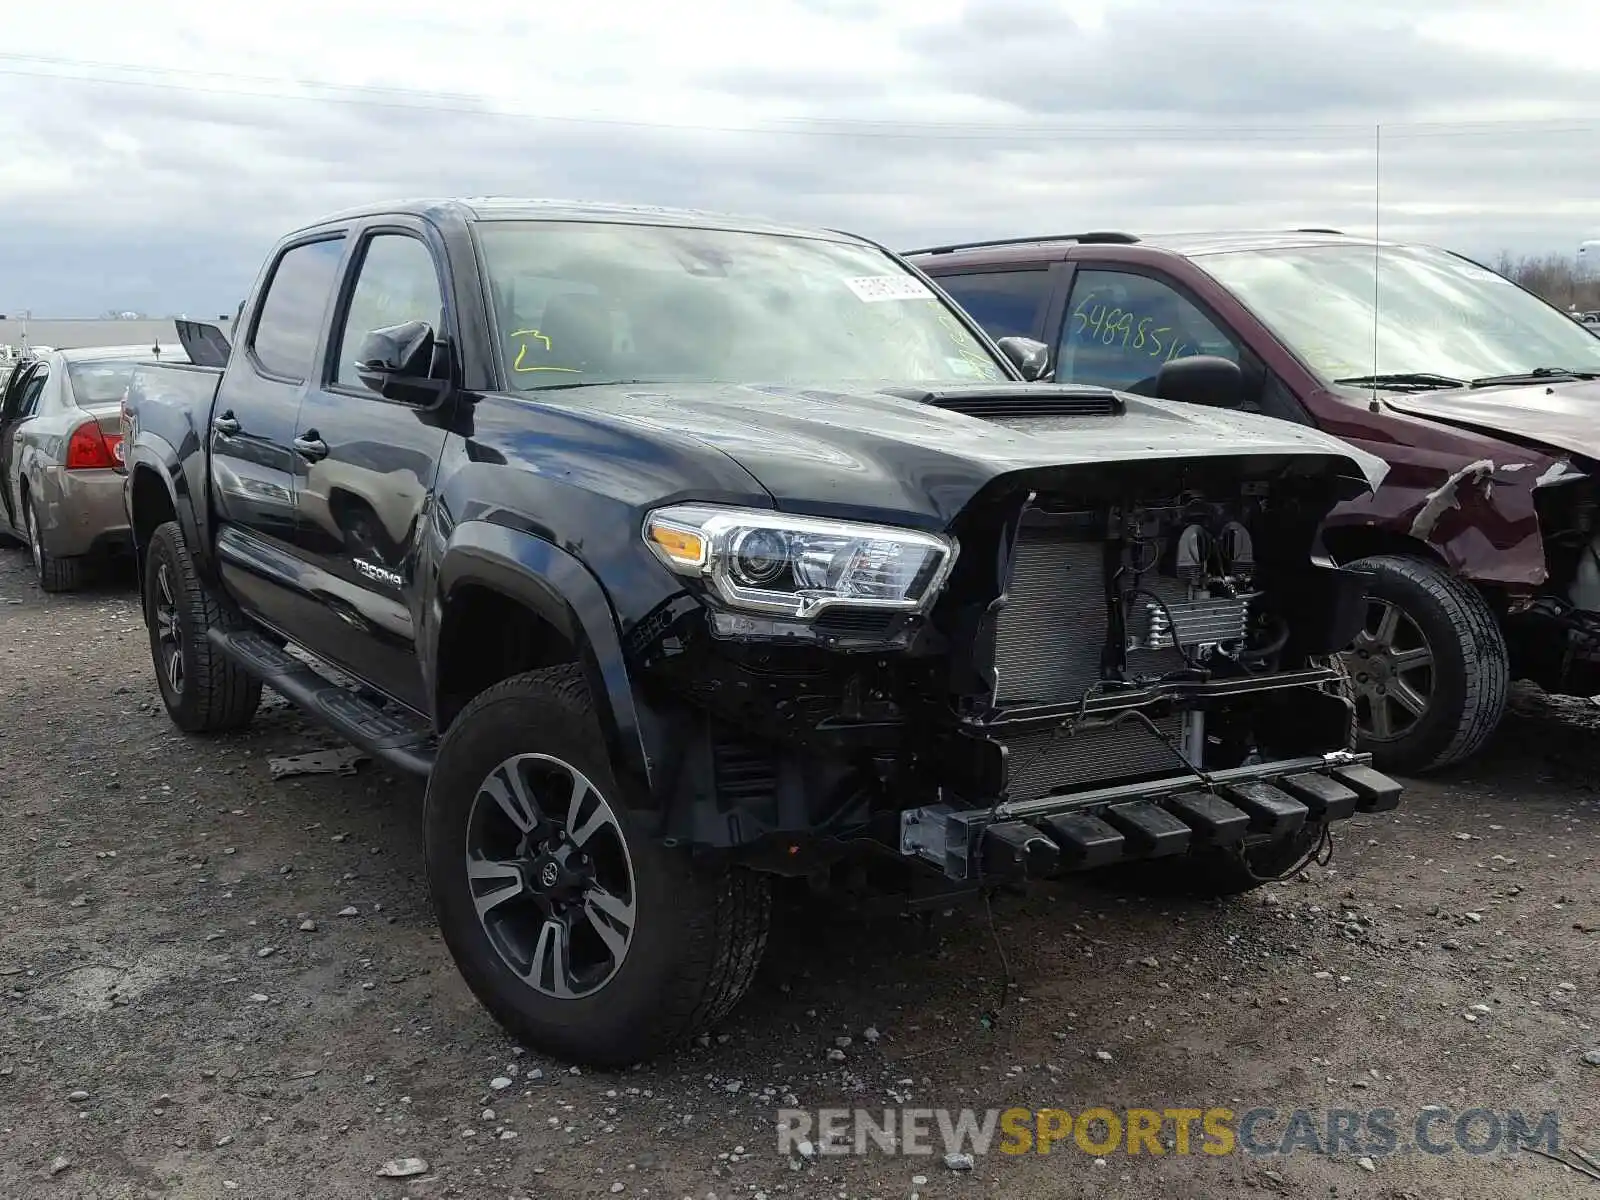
[(406, 745), (1144, 821)]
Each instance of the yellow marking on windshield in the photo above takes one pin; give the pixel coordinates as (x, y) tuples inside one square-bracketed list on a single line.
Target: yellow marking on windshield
[(968, 350), (523, 350)]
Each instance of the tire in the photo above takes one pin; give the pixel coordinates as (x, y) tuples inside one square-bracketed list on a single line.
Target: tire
[(1462, 680), (204, 692), (54, 574), (694, 938)]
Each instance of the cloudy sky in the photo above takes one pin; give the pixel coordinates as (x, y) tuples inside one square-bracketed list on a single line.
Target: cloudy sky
[(154, 150)]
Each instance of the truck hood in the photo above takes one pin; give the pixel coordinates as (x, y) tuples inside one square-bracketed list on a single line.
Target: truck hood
[(1562, 416), (920, 456)]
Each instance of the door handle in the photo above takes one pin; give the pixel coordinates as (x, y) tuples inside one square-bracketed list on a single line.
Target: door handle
[(226, 424), (310, 446)]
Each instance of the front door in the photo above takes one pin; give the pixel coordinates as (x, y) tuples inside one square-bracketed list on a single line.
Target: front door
[(366, 471), (253, 420), (1120, 326)]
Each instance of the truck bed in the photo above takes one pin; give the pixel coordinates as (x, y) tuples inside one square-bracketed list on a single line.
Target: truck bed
[(159, 391)]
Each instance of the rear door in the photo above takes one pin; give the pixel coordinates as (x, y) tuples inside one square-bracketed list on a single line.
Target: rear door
[(1006, 301), (366, 467), (20, 403), (252, 462)]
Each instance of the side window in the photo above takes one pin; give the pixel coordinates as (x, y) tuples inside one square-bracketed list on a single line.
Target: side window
[(397, 283), (1121, 327), (15, 386), (285, 337), (31, 392), (1005, 303)]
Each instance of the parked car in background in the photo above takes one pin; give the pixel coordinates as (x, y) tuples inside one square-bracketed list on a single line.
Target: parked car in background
[(681, 551), (60, 457), (1483, 541)]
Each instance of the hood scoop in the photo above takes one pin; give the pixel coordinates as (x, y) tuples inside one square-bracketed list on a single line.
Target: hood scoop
[(1008, 402)]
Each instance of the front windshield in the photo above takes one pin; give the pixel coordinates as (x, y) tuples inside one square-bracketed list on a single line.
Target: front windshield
[(585, 302), (1438, 314)]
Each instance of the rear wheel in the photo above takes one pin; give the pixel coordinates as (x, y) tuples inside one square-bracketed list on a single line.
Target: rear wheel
[(578, 931), (1431, 669), (54, 574), (203, 690)]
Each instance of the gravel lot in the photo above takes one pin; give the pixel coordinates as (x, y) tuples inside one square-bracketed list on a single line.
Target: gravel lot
[(218, 984)]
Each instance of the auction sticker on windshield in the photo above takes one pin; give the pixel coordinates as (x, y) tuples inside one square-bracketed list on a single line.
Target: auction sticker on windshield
[(872, 288)]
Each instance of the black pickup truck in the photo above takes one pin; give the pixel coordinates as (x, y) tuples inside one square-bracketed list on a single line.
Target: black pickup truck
[(680, 552)]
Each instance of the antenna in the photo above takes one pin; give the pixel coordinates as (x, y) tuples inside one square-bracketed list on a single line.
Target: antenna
[(1377, 210)]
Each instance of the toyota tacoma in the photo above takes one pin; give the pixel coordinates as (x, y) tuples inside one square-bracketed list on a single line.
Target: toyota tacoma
[(682, 552)]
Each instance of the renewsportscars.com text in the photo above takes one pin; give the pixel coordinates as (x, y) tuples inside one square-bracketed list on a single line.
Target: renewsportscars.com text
[(1214, 1132)]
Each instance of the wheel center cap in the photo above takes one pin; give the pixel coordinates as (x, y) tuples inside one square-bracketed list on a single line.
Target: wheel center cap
[(548, 876)]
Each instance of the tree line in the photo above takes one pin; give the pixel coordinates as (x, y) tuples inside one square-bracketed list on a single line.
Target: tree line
[(1562, 279)]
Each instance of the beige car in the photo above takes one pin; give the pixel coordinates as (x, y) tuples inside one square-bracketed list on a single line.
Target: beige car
[(61, 454)]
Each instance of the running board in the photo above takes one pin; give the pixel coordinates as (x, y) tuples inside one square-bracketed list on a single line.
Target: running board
[(404, 744)]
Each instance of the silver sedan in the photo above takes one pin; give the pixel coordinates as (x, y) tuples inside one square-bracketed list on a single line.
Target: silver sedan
[(60, 455)]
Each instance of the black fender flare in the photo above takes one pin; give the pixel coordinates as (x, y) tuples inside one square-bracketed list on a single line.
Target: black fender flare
[(561, 590), (152, 456)]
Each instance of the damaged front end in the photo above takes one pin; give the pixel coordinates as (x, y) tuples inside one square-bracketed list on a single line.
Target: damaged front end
[(1553, 633), (1092, 666)]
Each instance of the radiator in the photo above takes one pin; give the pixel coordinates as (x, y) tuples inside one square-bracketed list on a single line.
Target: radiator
[(1049, 638), (1051, 632)]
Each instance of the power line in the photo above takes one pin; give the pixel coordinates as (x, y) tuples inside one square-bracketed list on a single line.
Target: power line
[(311, 91)]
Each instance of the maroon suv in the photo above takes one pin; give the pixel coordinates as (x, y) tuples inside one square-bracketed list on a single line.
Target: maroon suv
[(1482, 541)]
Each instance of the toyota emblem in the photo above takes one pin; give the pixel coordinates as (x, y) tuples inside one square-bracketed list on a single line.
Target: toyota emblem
[(549, 874)]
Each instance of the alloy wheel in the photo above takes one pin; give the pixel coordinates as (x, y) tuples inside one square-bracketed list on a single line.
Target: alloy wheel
[(1391, 666), (168, 647), (550, 876)]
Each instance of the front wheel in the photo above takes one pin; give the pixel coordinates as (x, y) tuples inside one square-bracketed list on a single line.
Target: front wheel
[(1430, 669), (575, 928)]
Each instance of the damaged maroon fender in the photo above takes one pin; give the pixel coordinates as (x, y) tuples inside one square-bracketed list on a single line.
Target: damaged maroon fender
[(1466, 496)]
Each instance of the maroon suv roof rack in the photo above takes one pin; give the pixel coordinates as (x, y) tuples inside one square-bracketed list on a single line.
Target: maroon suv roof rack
[(1098, 237)]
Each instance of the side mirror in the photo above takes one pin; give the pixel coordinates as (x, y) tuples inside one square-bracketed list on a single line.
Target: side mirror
[(1030, 358), (397, 362), (1202, 379)]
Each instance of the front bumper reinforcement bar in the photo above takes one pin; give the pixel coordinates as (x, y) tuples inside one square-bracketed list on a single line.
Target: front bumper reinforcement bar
[(1181, 814)]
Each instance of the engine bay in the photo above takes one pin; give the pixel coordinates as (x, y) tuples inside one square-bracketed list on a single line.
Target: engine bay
[(1110, 636), (1155, 608)]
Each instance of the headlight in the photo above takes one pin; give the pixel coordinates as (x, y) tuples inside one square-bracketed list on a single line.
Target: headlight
[(796, 566)]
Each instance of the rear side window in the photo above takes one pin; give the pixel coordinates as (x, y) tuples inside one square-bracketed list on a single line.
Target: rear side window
[(1005, 303), (285, 337), (31, 392)]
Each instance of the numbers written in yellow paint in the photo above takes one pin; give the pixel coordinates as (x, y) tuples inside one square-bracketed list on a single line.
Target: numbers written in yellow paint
[(531, 337), (1112, 326)]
